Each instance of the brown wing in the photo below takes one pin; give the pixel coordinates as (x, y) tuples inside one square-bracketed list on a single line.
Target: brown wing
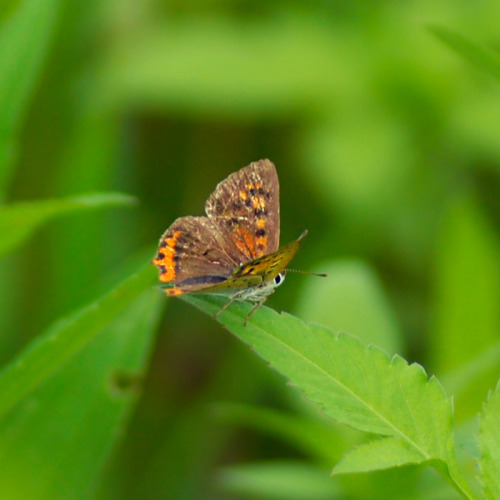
[(190, 250), (245, 208)]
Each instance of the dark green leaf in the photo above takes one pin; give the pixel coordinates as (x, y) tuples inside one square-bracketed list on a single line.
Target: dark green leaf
[(61, 434), (61, 341)]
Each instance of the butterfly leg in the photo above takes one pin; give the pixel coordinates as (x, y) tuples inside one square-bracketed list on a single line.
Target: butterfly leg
[(239, 296), (227, 304), (255, 307)]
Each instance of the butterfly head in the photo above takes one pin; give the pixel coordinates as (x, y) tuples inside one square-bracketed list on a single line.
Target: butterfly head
[(270, 268)]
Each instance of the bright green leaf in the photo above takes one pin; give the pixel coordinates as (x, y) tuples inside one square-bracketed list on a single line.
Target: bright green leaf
[(24, 37), (18, 221), (63, 339), (357, 385), (377, 455), (489, 443), (60, 436)]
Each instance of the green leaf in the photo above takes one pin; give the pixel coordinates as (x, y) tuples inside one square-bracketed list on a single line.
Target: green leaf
[(377, 455), (279, 479), (18, 221), (335, 302), (467, 298), (357, 385), (482, 57), (61, 341), (61, 435), (489, 443), (25, 37)]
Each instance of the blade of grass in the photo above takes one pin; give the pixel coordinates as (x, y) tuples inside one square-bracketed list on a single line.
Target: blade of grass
[(25, 38), (61, 434), (62, 340), (18, 221)]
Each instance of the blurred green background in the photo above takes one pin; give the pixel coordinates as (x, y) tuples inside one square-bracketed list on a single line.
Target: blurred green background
[(386, 142)]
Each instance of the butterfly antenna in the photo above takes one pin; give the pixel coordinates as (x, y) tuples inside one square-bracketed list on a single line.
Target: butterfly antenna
[(300, 271)]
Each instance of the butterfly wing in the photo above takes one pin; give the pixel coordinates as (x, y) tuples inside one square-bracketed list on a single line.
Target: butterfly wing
[(245, 209), (191, 257), (242, 224)]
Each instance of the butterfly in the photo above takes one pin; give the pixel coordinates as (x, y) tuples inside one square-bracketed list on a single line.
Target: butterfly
[(234, 250)]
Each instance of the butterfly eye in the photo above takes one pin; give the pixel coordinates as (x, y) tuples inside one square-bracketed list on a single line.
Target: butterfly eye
[(279, 279)]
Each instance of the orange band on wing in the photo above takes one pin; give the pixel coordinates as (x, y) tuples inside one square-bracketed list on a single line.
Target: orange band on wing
[(245, 242), (165, 258)]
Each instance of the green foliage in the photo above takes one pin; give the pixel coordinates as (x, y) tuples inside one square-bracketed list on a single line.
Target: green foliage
[(20, 67), (63, 339), (375, 455), (467, 297), (351, 287), (18, 221), (279, 479), (312, 435), (386, 144), (489, 442), (359, 386), (73, 417), (482, 57)]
